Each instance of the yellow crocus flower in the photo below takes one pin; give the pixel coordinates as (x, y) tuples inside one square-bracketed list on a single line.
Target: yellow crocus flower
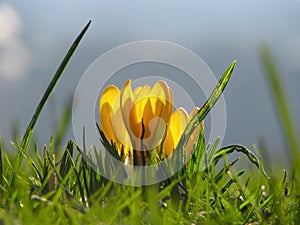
[(142, 118)]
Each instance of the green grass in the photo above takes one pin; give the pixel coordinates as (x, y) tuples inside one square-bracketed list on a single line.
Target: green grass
[(60, 187)]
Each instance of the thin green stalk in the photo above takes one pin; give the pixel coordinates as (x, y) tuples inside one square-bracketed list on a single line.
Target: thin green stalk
[(47, 94), (282, 105), (209, 104), (50, 88)]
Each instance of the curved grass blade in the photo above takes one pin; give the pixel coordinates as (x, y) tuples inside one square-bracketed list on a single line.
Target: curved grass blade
[(239, 148), (205, 109), (282, 104)]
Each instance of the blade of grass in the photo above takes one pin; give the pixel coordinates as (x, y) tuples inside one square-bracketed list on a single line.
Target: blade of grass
[(232, 180), (43, 101), (282, 105), (38, 156), (208, 156), (50, 88), (65, 163), (197, 155), (84, 167), (224, 170), (205, 109), (239, 148), (212, 151)]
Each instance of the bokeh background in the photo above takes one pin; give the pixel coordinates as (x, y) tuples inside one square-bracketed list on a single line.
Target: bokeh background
[(35, 35)]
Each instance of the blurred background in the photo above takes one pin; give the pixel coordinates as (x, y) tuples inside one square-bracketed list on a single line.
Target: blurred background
[(34, 36)]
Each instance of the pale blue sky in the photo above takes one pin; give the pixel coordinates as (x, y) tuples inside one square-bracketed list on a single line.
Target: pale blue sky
[(219, 32)]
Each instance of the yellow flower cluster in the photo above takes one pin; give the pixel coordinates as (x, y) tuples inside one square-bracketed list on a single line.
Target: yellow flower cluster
[(142, 119)]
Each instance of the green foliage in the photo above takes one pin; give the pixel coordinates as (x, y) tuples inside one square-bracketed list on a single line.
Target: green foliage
[(69, 190)]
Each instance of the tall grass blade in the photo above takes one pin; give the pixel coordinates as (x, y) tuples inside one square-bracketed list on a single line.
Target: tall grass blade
[(42, 103), (66, 163), (50, 88), (205, 109), (84, 167), (282, 105)]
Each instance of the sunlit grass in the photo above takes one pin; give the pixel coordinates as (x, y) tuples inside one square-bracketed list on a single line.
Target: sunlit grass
[(63, 188)]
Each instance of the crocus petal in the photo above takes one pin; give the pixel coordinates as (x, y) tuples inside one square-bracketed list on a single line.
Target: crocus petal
[(162, 103), (136, 91), (161, 100), (177, 124), (140, 101), (126, 104), (107, 100), (148, 118), (119, 127), (137, 111)]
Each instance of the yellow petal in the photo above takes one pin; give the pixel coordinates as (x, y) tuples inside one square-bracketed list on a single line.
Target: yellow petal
[(126, 103), (177, 124), (109, 95), (140, 114), (111, 119), (106, 104), (131, 120), (139, 103), (136, 91), (161, 99), (119, 126)]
